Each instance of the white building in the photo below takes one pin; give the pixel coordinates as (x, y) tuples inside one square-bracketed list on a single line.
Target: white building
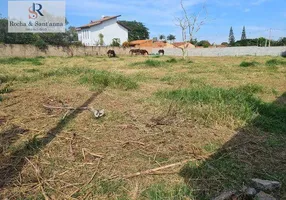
[(109, 27)]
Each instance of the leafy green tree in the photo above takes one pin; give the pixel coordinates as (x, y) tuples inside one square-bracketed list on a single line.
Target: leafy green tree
[(72, 34), (204, 43), (171, 38), (115, 42), (162, 37), (194, 41), (231, 38), (101, 41), (261, 41), (138, 31)]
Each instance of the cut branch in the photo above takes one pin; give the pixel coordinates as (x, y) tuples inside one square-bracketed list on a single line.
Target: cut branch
[(152, 171)]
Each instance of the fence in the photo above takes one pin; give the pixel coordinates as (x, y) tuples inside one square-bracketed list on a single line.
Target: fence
[(228, 51), (18, 50)]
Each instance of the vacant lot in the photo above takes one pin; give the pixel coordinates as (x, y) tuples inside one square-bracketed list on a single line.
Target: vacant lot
[(225, 116)]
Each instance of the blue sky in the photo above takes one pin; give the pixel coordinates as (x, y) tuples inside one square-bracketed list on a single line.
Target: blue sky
[(258, 16)]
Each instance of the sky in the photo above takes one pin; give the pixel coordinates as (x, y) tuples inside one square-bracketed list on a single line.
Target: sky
[(258, 16)]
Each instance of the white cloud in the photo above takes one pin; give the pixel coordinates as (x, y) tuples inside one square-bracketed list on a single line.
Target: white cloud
[(246, 10), (258, 2)]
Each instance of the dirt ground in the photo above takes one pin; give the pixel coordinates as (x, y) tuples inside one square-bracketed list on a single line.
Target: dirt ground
[(54, 154)]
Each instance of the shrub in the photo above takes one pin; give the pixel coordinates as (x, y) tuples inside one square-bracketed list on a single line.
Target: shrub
[(248, 64), (41, 44), (274, 62), (115, 42), (171, 60)]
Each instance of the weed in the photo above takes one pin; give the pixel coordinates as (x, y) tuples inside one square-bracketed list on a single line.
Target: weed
[(275, 62), (150, 63), (161, 192), (216, 105), (225, 167), (16, 60), (6, 89), (33, 70), (172, 60), (101, 79), (211, 147), (251, 88), (248, 64)]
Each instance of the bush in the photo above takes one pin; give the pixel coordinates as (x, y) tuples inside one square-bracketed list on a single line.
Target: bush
[(41, 44), (115, 42), (274, 62), (172, 60), (204, 43), (248, 64)]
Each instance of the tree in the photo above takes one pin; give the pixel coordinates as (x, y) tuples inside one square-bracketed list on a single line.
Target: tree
[(204, 43), (171, 38), (101, 41), (243, 35), (189, 25), (231, 39), (72, 34), (115, 42), (162, 37), (194, 41), (243, 38), (138, 31)]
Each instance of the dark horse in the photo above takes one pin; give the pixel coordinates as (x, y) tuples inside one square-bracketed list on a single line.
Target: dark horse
[(161, 52), (138, 52), (111, 53)]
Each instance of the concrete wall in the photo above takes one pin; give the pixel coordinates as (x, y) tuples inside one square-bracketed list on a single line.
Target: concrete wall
[(228, 51), (18, 50)]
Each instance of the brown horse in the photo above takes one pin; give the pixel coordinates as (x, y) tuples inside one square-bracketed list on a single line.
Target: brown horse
[(111, 53)]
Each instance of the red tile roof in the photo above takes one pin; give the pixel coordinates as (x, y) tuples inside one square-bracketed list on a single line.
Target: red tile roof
[(97, 22)]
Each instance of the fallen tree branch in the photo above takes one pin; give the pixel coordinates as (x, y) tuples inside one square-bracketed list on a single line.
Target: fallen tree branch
[(151, 171)]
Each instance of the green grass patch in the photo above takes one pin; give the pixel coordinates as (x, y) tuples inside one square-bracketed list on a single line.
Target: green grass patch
[(223, 173), (150, 63), (163, 192), (211, 147), (98, 79), (17, 60), (33, 70), (248, 64), (95, 78), (100, 188), (172, 60), (275, 62), (213, 105), (6, 89)]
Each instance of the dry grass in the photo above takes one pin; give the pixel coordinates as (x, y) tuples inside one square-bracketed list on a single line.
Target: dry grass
[(46, 157)]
